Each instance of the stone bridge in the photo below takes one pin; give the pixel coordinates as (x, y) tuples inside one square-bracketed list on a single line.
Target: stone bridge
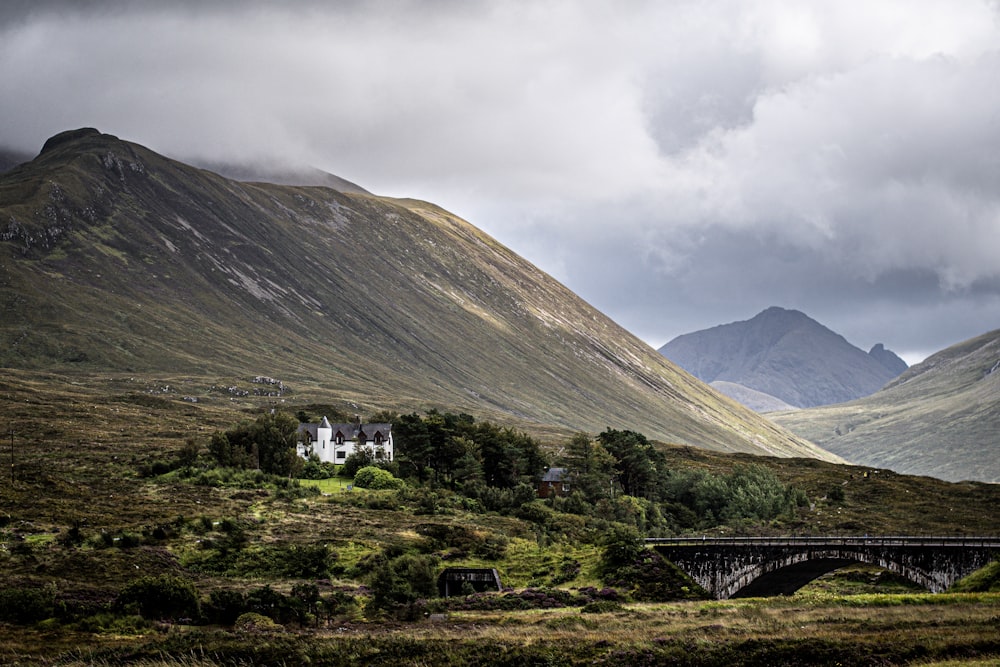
[(762, 566)]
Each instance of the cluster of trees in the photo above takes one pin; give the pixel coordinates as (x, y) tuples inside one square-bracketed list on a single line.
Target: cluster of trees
[(676, 499), (457, 452), (266, 444), (620, 475)]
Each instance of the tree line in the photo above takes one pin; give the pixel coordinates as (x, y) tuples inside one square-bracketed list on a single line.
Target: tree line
[(619, 475)]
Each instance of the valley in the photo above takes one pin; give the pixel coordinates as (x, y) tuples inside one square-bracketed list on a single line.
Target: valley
[(149, 307), (938, 418)]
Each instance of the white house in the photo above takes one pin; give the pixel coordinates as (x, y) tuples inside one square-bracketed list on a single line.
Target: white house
[(333, 443)]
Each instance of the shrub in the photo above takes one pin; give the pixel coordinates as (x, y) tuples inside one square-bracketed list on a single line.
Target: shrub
[(306, 561), (161, 597), (398, 583), (355, 462), (371, 477), (269, 602), (601, 607), (313, 469), (650, 578), (225, 606), (529, 598), (26, 605), (73, 537), (254, 623), (621, 548)]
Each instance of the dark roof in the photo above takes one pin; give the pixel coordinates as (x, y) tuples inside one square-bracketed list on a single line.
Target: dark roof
[(310, 429), (349, 431), (554, 475)]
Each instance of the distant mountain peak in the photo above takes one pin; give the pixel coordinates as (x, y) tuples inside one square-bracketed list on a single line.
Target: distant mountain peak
[(888, 358), (785, 354), (773, 311)]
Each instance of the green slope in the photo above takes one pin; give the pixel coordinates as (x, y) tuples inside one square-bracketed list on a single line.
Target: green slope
[(939, 418), (114, 259)]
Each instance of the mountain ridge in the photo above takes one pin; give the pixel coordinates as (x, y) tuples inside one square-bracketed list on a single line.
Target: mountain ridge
[(786, 355), (119, 259), (939, 418)]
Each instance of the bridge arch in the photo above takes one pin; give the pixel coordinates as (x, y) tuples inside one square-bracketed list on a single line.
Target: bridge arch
[(786, 573), (751, 567)]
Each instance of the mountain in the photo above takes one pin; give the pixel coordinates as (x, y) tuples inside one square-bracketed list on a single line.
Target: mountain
[(117, 260), (888, 359), (939, 418), (785, 355)]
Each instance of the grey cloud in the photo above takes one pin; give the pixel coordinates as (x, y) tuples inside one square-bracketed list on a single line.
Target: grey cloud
[(678, 164)]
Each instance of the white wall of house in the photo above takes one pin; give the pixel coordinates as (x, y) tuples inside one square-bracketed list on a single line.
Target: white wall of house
[(334, 443)]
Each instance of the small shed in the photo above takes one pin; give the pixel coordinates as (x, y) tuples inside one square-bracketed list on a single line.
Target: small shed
[(450, 581), (554, 483)]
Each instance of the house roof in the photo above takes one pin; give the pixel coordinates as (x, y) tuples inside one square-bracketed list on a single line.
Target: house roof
[(554, 475), (349, 431), (310, 429)]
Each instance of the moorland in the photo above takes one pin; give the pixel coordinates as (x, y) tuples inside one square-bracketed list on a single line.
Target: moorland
[(115, 500)]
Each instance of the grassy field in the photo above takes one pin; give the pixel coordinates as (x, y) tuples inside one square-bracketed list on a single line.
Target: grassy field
[(801, 630)]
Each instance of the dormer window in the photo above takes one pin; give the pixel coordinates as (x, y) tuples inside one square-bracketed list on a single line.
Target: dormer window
[(340, 438)]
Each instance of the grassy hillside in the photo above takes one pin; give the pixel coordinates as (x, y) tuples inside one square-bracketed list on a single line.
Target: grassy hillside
[(116, 261), (939, 418)]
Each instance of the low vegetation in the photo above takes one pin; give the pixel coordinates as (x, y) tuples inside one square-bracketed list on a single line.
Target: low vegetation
[(139, 544)]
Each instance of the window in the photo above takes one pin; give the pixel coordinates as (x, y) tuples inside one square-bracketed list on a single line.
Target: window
[(341, 455), (340, 438)]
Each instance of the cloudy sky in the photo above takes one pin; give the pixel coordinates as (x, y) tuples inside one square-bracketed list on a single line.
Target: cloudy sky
[(678, 164)]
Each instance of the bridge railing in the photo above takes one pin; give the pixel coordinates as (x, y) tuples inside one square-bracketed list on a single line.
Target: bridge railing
[(991, 542)]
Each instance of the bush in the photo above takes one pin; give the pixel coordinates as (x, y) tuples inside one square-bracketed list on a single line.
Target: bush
[(621, 548), (225, 606), (306, 561), (254, 623), (650, 578), (26, 605), (163, 597), (371, 477), (601, 607), (398, 583), (313, 469), (355, 462)]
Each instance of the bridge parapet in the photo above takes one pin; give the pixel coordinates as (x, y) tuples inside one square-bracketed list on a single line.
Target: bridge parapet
[(757, 566)]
